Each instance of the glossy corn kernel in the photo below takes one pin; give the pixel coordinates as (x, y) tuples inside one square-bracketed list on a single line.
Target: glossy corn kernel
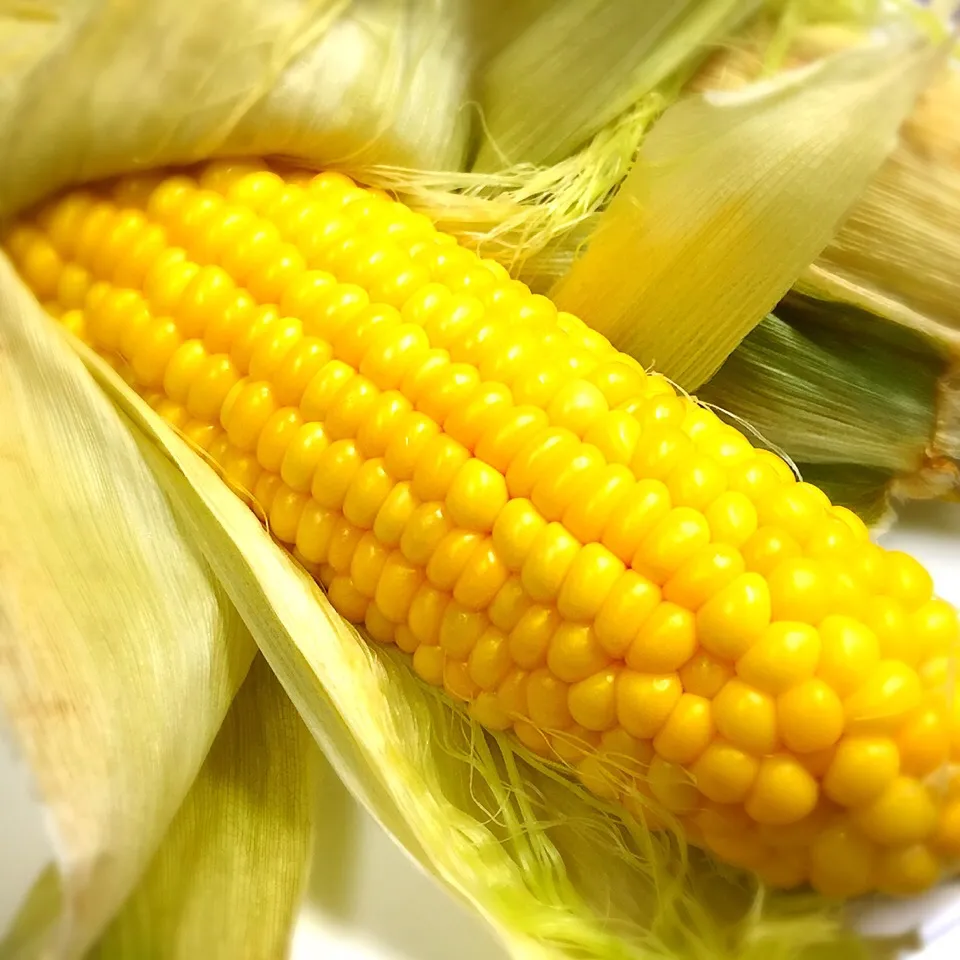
[(551, 534)]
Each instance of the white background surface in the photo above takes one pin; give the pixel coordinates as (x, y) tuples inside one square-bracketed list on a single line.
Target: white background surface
[(367, 901)]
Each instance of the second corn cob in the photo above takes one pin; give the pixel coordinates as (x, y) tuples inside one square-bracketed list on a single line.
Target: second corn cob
[(555, 536)]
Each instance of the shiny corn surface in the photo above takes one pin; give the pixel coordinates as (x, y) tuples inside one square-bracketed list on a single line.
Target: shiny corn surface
[(552, 534)]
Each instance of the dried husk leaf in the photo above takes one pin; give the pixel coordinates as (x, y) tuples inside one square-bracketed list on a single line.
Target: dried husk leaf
[(898, 253), (228, 878), (732, 195), (119, 650)]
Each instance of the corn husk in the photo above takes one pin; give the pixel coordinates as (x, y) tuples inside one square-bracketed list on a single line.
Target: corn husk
[(732, 194), (379, 81), (854, 409), (228, 878), (119, 653), (579, 65), (898, 253)]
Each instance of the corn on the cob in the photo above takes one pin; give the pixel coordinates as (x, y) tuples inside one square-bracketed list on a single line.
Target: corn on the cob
[(555, 536)]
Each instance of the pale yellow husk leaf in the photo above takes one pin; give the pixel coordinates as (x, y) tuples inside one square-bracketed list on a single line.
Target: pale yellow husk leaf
[(732, 195), (897, 253), (228, 879), (119, 650), (581, 64), (92, 87)]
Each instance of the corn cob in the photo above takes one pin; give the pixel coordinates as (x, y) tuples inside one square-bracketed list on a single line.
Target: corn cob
[(553, 535)]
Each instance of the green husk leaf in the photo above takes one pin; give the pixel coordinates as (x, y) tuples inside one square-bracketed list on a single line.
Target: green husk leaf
[(555, 871), (584, 62), (228, 877), (732, 195), (327, 80), (865, 490), (119, 650), (828, 395)]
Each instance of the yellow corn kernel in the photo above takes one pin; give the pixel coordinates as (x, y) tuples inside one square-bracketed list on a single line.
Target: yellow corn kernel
[(842, 862), (736, 617), (476, 496), (747, 717), (704, 675), (886, 696), (639, 510), (593, 701), (450, 558), (592, 575), (490, 660), (574, 744), (904, 812), (705, 574), (861, 769), (428, 663), (486, 709), (767, 547), (687, 731), (784, 655), (626, 608), (799, 590), (907, 870), (666, 640), (924, 741), (906, 580), (849, 651), (783, 792), (551, 556), (645, 701), (460, 629), (672, 786), (530, 637), (935, 629), (615, 435), (299, 448), (725, 773), (342, 592), (551, 534), (810, 716), (367, 564), (315, 529), (547, 700), (673, 540), (399, 582), (888, 619)]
